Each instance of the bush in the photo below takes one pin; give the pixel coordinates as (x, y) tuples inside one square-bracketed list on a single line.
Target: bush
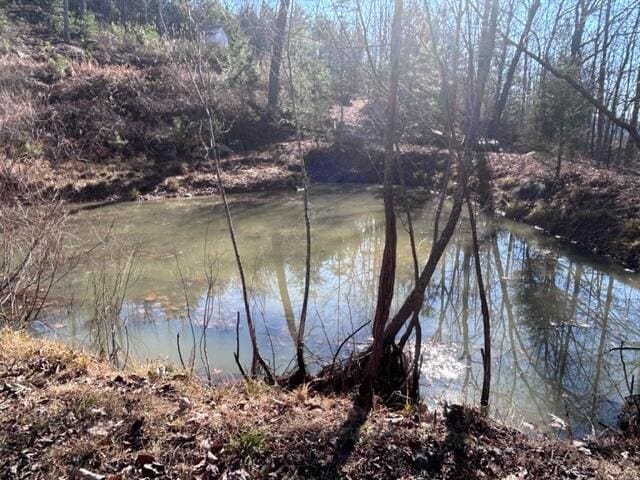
[(31, 149), (133, 194), (31, 246), (58, 68), (172, 185), (146, 35), (117, 142), (143, 35), (90, 29)]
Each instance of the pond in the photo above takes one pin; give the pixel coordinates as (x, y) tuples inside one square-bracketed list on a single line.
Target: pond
[(166, 271)]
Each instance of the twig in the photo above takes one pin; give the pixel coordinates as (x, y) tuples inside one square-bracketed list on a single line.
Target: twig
[(351, 335), (236, 354)]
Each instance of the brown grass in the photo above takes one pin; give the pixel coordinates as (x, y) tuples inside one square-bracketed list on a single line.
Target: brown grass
[(61, 410)]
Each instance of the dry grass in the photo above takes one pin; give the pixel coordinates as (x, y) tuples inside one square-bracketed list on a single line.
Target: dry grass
[(61, 410), (592, 206)]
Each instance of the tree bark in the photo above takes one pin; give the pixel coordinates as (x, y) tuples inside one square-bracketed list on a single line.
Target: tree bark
[(386, 283), (276, 57), (65, 15)]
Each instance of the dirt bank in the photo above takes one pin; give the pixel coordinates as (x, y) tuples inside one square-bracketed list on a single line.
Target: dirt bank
[(598, 209), (64, 414), (276, 168)]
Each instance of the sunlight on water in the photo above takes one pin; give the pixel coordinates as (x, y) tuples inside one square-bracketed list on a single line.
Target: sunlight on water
[(555, 312)]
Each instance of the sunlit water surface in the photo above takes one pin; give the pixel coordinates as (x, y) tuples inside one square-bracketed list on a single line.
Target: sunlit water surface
[(555, 311)]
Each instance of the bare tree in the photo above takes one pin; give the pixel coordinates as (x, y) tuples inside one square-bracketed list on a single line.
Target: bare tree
[(276, 57), (508, 82), (301, 374), (386, 282), (204, 82)]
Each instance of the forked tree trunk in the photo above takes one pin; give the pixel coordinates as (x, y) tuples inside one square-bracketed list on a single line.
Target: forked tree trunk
[(386, 282)]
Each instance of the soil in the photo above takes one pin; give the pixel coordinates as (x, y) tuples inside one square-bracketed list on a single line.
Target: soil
[(66, 414), (114, 120)]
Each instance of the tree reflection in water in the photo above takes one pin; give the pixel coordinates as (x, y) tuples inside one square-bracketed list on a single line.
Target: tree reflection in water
[(555, 313)]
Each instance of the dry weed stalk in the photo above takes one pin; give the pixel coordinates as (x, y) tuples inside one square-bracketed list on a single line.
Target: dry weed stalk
[(32, 237), (112, 275)]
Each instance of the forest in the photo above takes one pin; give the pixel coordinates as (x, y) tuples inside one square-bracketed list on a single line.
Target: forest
[(319, 239)]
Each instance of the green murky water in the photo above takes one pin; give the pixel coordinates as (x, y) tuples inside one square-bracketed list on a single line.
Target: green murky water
[(555, 312)]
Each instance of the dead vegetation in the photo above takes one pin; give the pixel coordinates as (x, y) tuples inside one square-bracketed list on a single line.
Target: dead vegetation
[(118, 114), (32, 236), (596, 208), (66, 415)]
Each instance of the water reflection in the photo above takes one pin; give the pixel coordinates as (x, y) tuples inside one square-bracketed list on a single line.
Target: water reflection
[(554, 312)]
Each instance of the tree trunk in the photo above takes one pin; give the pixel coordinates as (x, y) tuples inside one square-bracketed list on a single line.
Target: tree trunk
[(276, 57), (494, 125), (600, 136), (485, 52), (629, 148), (65, 15), (83, 16), (386, 283), (486, 321), (162, 28), (560, 149), (301, 374)]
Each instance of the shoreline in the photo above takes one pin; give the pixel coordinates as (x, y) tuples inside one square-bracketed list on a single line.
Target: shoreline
[(65, 412), (524, 190)]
